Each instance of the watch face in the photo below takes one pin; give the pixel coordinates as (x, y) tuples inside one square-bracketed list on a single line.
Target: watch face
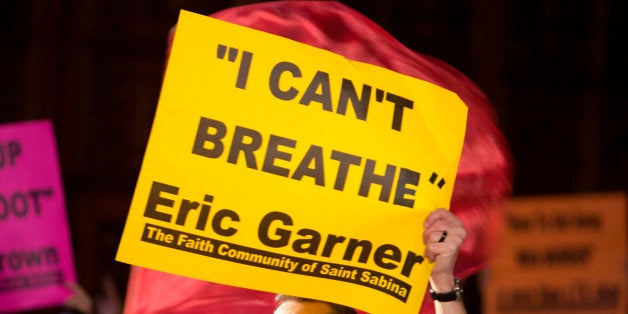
[(458, 289), (458, 294), (458, 283)]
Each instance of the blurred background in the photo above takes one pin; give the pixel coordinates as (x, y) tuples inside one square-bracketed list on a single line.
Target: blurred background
[(555, 72)]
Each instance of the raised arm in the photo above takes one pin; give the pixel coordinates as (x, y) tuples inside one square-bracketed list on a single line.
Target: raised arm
[(443, 236)]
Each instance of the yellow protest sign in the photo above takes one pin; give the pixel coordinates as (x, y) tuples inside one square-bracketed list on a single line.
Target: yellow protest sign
[(281, 167), (561, 254)]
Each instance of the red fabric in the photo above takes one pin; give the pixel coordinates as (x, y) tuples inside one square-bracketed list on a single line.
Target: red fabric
[(484, 174), (151, 291)]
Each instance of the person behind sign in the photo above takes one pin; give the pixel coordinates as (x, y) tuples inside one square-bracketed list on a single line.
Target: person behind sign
[(288, 304), (443, 237)]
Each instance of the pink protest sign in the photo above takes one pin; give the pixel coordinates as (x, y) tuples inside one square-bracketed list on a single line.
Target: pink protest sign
[(35, 247)]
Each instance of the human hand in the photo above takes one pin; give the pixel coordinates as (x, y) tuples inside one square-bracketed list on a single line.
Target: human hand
[(79, 300), (443, 236)]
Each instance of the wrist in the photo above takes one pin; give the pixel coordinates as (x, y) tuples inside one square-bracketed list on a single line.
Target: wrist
[(442, 282), (455, 294)]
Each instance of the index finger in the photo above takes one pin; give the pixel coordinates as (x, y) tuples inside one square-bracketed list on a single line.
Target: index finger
[(440, 214)]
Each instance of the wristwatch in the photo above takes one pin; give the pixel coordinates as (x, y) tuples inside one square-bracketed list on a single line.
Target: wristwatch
[(453, 295)]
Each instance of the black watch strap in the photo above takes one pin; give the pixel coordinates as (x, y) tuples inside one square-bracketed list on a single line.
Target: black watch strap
[(453, 295)]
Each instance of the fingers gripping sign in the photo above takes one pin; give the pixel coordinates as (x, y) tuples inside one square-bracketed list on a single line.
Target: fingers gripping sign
[(443, 236)]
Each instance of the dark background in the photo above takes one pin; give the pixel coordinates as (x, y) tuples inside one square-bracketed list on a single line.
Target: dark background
[(554, 70)]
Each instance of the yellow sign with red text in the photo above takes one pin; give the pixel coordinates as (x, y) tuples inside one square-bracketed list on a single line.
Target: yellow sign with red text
[(278, 166)]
